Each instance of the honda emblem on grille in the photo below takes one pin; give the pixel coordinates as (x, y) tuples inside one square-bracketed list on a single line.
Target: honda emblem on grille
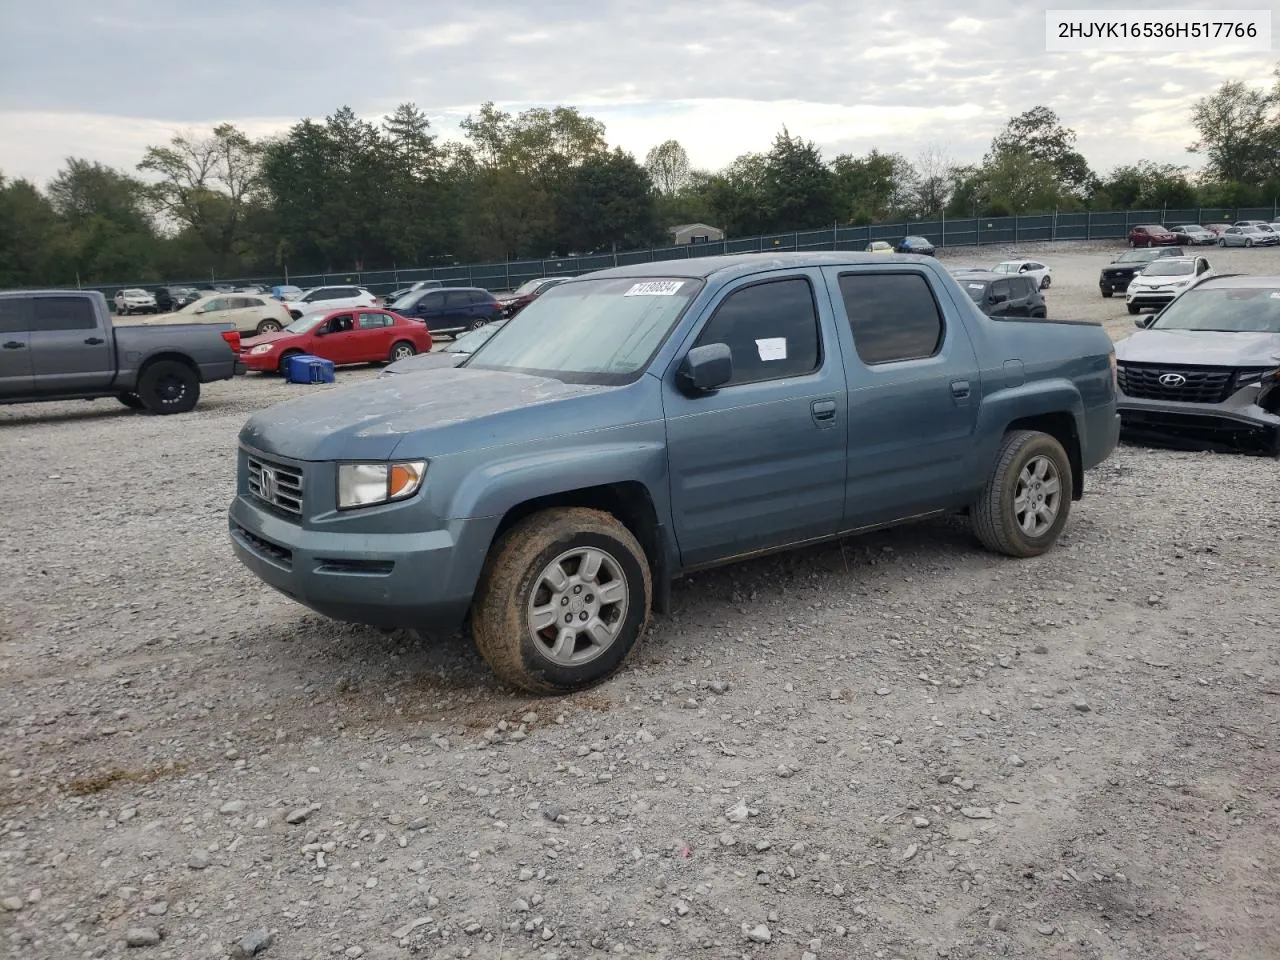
[(267, 484), (1166, 380)]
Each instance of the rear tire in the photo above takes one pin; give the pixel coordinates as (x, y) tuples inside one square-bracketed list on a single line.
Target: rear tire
[(519, 582), (476, 325), (401, 350), (1107, 292), (168, 386), (1248, 242), (269, 326), (1044, 284), (131, 400), (1030, 487)]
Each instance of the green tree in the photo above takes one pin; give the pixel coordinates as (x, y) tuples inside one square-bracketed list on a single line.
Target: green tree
[(1239, 129), (28, 226), (668, 167), (105, 233), (797, 189), (875, 187), (1039, 134), (1146, 185), (608, 200), (736, 196), (206, 185)]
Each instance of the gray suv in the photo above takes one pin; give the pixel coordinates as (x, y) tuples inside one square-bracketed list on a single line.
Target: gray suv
[(1198, 373)]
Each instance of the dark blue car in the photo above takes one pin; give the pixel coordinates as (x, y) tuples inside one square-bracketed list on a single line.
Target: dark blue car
[(450, 310), (920, 245)]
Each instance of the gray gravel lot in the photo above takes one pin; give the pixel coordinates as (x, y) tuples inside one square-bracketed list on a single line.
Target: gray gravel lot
[(895, 747)]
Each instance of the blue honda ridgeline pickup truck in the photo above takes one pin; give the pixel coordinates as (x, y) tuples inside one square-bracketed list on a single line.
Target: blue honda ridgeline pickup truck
[(642, 422)]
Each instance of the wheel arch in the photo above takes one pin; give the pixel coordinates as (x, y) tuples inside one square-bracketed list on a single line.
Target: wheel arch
[(1062, 426)]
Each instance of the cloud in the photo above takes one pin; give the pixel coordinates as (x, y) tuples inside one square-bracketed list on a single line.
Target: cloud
[(722, 76)]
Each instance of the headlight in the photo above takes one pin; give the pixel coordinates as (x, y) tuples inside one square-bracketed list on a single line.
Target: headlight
[(261, 348), (367, 484), (1180, 283)]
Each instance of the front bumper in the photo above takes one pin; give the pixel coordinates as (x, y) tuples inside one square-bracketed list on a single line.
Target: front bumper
[(261, 362), (422, 580), (1236, 424), (1150, 298)]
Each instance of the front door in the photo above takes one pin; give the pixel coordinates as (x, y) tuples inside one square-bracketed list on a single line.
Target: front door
[(15, 347), (339, 342), (914, 392), (760, 462), (69, 351)]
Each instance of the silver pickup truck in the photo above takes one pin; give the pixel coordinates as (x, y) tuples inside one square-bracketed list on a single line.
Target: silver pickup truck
[(62, 345)]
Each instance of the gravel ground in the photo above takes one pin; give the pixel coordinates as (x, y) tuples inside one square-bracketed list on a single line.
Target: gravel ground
[(896, 747)]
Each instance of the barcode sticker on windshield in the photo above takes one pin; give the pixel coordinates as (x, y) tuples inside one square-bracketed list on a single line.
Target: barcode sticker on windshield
[(655, 288), (772, 348)]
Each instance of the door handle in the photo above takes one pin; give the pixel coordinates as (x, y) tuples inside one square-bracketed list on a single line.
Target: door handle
[(94, 341), (960, 389), (824, 411), (14, 344)]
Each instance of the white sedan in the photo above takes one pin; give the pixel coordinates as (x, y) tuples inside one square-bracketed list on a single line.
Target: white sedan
[(1027, 268)]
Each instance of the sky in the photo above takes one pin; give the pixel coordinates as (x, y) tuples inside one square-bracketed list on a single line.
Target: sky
[(103, 80)]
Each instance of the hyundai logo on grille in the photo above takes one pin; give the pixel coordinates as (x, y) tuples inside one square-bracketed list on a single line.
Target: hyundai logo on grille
[(1166, 380)]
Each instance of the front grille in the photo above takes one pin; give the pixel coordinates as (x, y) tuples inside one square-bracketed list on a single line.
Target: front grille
[(276, 484), (1198, 384)]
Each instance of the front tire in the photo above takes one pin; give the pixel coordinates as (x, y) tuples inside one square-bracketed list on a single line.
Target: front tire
[(1248, 242), (269, 326), (168, 386), (1222, 241), (1133, 308), (1107, 292), (1027, 498), (283, 365), (563, 599), (476, 325), (1044, 284), (401, 350)]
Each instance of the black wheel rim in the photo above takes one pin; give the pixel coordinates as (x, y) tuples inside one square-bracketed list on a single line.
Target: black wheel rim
[(171, 389)]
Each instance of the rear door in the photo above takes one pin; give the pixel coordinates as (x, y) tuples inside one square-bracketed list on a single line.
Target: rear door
[(15, 348), (1000, 294), (69, 352), (457, 310), (913, 393), (374, 333)]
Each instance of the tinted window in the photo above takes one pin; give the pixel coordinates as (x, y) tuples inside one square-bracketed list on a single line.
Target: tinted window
[(63, 313), (893, 316), (1026, 287), (347, 292), (1000, 290), (459, 298), (222, 303), (481, 296), (15, 314), (371, 321), (771, 329)]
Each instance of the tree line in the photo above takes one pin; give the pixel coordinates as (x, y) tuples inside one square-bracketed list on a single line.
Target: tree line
[(346, 194)]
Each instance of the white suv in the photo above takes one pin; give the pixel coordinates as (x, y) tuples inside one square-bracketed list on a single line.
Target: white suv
[(135, 300), (319, 299)]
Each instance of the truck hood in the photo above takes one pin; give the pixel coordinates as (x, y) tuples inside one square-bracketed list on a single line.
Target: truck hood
[(367, 421), (1200, 348)]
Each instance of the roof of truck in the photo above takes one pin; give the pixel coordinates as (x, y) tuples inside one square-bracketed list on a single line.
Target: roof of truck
[(738, 264)]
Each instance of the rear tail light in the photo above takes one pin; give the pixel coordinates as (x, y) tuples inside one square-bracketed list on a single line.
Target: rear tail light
[(233, 339)]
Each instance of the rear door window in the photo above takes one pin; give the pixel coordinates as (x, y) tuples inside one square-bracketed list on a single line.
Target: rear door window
[(63, 313), (894, 316)]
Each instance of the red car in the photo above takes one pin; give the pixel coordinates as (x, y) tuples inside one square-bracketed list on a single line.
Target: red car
[(525, 294), (359, 335), (1152, 235)]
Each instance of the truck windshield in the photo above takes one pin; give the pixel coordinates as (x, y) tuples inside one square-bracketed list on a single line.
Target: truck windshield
[(1242, 310), (590, 331)]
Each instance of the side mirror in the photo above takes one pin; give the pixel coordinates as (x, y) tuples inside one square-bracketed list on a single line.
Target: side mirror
[(1143, 322), (707, 367)]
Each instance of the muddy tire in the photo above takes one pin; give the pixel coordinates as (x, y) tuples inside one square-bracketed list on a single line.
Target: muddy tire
[(168, 386), (563, 599), (1027, 498)]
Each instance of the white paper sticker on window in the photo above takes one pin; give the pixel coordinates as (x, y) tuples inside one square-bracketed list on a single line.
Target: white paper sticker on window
[(975, 286), (772, 348), (655, 288), (1275, 294)]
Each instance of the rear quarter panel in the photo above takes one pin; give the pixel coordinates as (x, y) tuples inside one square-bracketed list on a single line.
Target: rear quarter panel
[(198, 343)]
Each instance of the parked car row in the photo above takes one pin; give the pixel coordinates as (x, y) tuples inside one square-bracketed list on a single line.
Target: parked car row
[(1242, 233), (919, 245)]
